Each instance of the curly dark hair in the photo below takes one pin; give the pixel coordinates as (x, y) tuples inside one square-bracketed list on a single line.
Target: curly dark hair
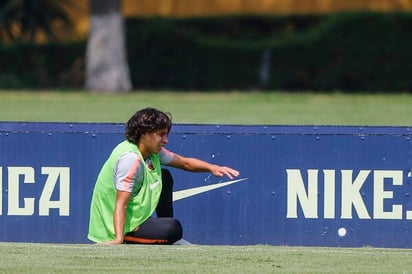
[(145, 121)]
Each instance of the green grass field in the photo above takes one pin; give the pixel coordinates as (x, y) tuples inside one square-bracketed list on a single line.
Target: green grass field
[(59, 258), (213, 108), (210, 108)]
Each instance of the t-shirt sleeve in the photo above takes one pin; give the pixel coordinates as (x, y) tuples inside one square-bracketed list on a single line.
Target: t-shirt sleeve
[(165, 156), (128, 168)]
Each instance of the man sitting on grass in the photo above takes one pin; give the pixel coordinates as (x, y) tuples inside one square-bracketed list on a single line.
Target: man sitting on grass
[(129, 185)]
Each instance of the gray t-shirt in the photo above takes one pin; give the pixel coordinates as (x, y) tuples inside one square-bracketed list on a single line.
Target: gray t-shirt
[(129, 171)]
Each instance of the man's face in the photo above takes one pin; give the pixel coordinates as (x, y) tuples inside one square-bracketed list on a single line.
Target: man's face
[(154, 141)]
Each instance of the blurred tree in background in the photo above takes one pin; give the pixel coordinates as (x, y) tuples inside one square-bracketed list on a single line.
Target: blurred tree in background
[(26, 20), (107, 69)]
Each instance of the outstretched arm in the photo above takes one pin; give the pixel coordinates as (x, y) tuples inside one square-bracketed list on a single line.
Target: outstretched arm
[(197, 165)]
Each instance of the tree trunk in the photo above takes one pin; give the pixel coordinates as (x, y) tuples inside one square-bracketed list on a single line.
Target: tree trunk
[(107, 70)]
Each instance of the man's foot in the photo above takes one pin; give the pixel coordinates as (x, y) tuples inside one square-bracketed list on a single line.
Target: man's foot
[(182, 242)]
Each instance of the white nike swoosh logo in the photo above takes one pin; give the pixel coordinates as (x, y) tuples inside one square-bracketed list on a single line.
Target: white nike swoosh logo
[(186, 193), (154, 185)]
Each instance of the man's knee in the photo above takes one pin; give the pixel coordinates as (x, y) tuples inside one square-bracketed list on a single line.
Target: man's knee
[(175, 230)]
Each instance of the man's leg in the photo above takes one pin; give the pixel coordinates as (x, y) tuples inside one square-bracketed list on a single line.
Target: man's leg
[(156, 231), (165, 206)]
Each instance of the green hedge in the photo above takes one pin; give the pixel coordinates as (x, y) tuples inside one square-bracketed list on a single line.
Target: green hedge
[(42, 66), (349, 52)]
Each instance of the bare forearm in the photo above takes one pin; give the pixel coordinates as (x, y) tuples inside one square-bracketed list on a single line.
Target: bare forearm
[(119, 221), (119, 216), (197, 165)]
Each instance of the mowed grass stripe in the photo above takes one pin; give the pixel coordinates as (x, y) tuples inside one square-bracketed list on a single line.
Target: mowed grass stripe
[(226, 107), (63, 258)]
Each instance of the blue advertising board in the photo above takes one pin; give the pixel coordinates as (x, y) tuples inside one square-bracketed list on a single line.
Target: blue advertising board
[(299, 185)]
